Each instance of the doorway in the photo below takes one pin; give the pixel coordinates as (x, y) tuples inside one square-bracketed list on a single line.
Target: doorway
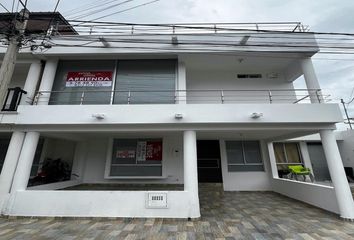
[(209, 161)]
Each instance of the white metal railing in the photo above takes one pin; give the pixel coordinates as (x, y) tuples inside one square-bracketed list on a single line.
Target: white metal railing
[(92, 97), (90, 28)]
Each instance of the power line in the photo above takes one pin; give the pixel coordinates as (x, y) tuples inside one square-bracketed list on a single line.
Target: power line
[(125, 10), (13, 5), (4, 7), (82, 7), (51, 20), (96, 11)]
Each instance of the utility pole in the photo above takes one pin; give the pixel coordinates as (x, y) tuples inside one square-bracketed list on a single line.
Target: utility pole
[(346, 113), (9, 61)]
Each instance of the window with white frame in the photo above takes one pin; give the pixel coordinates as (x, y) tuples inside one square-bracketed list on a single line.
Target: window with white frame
[(244, 156), (136, 157), (287, 154)]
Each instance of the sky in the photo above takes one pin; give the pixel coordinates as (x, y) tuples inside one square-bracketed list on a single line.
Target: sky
[(336, 76)]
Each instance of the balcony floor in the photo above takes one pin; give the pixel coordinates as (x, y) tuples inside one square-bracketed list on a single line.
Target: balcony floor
[(225, 215)]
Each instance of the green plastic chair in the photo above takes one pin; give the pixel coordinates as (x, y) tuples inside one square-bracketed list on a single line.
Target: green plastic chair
[(297, 171)]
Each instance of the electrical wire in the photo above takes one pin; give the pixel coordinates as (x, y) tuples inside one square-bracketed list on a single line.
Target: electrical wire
[(51, 20), (97, 11), (125, 10), (4, 8), (85, 6), (350, 102), (13, 5)]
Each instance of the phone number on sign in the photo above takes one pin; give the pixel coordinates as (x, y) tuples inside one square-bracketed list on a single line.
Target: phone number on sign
[(89, 84)]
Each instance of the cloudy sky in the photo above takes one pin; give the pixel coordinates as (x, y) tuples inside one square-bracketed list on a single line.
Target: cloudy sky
[(336, 76)]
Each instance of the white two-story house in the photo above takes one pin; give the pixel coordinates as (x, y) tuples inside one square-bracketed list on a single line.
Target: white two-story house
[(141, 115)]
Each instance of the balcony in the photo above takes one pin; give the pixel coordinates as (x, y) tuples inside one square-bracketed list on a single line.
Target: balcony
[(99, 97)]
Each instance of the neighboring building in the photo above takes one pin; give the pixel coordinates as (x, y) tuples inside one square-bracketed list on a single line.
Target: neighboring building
[(38, 23), (162, 106)]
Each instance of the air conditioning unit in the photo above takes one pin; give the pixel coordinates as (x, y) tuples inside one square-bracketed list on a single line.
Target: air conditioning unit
[(156, 200)]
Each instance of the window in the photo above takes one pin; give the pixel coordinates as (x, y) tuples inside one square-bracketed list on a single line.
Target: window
[(145, 81), (287, 154), (244, 156), (87, 87), (133, 81), (136, 157)]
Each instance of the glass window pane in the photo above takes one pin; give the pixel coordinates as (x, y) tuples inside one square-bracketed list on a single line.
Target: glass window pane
[(252, 152), (245, 168), (72, 94), (124, 151), (292, 152), (234, 152), (136, 157), (279, 152), (148, 81)]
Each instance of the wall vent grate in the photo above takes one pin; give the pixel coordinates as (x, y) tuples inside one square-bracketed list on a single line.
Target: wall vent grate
[(249, 75), (156, 200)]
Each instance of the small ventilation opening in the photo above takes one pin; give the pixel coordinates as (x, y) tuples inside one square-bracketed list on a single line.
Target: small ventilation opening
[(156, 200), (249, 75)]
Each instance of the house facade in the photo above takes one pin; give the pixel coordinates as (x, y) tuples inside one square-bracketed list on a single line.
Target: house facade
[(169, 107)]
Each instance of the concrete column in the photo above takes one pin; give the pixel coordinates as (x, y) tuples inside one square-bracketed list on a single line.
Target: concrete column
[(25, 161), (10, 163), (31, 83), (191, 171), (47, 81), (272, 160), (336, 169), (182, 83), (311, 80)]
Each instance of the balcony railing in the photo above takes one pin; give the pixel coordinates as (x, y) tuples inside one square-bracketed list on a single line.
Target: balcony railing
[(183, 28), (93, 97)]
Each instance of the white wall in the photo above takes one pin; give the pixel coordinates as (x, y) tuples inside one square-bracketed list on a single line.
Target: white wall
[(318, 195), (227, 80), (165, 114), (172, 166), (98, 204), (245, 181)]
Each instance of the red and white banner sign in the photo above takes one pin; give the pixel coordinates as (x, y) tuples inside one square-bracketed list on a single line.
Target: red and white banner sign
[(149, 151), (89, 79)]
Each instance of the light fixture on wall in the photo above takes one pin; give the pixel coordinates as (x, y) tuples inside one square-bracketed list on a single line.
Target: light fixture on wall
[(178, 116), (256, 115), (99, 116)]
